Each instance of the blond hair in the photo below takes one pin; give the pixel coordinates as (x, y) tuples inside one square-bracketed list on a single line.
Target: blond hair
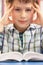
[(24, 1)]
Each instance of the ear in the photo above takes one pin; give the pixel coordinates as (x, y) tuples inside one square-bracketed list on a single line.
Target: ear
[(35, 16), (10, 17)]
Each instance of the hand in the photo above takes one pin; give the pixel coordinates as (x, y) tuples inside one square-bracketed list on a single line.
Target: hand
[(39, 19), (5, 19)]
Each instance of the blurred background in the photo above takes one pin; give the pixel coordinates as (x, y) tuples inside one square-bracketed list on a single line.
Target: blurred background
[(1, 7)]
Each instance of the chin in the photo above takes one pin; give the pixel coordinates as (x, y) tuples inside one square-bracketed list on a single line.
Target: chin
[(23, 27)]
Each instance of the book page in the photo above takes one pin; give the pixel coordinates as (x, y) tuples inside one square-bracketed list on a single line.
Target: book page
[(11, 55), (19, 57), (32, 56)]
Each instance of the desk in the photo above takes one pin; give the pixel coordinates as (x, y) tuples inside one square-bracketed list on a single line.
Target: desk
[(21, 63)]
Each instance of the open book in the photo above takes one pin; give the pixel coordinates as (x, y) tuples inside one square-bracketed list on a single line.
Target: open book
[(19, 57)]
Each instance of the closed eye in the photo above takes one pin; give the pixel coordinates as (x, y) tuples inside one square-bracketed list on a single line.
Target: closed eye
[(28, 9), (17, 9)]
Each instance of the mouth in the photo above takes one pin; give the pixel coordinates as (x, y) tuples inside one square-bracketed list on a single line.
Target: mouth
[(22, 21)]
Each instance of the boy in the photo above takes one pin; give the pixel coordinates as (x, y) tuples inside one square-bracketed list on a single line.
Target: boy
[(19, 35)]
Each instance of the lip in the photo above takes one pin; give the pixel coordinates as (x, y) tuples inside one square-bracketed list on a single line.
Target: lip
[(22, 21)]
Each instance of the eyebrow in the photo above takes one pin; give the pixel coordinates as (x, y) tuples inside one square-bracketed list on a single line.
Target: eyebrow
[(20, 7)]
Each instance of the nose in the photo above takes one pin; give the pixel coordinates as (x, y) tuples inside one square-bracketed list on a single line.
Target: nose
[(23, 14)]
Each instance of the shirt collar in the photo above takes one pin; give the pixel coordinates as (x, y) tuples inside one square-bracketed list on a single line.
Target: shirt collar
[(31, 27), (11, 28)]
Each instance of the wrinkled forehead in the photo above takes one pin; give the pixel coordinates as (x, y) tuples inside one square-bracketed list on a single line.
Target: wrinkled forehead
[(22, 2), (25, 1), (17, 3)]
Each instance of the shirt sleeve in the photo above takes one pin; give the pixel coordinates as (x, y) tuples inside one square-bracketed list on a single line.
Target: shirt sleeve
[(1, 41), (41, 40)]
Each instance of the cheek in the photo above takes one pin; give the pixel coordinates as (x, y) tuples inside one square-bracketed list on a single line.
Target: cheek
[(31, 15), (15, 16)]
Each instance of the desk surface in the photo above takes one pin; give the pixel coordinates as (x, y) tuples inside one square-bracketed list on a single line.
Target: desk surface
[(21, 63)]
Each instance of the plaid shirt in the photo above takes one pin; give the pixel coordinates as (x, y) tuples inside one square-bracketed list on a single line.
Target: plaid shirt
[(30, 40)]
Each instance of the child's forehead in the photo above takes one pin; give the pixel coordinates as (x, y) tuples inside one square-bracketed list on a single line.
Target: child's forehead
[(20, 4), (24, 1)]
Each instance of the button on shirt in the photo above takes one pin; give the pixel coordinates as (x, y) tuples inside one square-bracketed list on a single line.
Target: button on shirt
[(30, 40)]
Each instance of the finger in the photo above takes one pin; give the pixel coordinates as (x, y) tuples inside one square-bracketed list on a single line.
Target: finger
[(36, 10), (10, 9), (7, 7), (36, 6), (39, 15)]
